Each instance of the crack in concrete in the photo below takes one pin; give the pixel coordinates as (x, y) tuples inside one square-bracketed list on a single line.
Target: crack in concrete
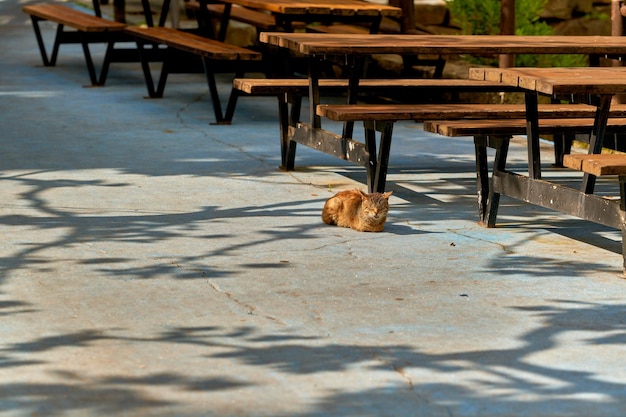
[(470, 236), (179, 116), (402, 372), (249, 309)]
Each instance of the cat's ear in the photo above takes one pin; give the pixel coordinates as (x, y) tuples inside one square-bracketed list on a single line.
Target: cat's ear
[(387, 194), (363, 195)]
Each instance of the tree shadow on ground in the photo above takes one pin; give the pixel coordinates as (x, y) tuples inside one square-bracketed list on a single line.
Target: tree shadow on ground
[(520, 379)]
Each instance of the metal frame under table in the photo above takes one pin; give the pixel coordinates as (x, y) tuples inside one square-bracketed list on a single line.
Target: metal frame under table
[(352, 51), (326, 12), (595, 86)]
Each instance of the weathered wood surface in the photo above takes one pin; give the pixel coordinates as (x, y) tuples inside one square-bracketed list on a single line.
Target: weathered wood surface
[(404, 44), (420, 112), (598, 165), (255, 18), (301, 85), (194, 44), (554, 81), (316, 7), (76, 19), (486, 127)]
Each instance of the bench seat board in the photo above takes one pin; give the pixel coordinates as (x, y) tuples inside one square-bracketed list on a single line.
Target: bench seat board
[(194, 44), (216, 57), (484, 127), (73, 18), (271, 86), (420, 112), (255, 18), (598, 165), (84, 29)]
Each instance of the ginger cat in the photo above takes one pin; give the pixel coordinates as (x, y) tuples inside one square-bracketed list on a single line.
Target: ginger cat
[(357, 210)]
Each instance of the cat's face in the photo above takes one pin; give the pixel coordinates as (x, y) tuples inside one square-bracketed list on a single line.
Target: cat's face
[(375, 206)]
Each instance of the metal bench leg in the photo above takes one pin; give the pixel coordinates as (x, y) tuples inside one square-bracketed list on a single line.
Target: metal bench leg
[(145, 66), (378, 160), (56, 45), (165, 71), (215, 98), (562, 146), (488, 199), (104, 72), (482, 177), (232, 101), (370, 145), (89, 61), (42, 47), (622, 191), (596, 139), (288, 119), (48, 62)]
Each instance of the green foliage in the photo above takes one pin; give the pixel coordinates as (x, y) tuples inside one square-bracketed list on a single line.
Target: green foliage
[(482, 17), (479, 17)]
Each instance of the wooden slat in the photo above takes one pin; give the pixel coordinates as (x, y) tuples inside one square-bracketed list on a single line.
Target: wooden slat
[(321, 7), (73, 18), (455, 128), (602, 164), (194, 44), (353, 29), (605, 80), (309, 43), (272, 86), (391, 112), (255, 18)]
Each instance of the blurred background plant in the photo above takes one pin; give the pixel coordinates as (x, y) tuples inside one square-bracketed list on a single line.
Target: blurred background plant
[(482, 17)]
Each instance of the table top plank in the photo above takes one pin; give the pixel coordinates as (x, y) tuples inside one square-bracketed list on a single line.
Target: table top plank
[(555, 81), (328, 7), (405, 44), (599, 165), (195, 44)]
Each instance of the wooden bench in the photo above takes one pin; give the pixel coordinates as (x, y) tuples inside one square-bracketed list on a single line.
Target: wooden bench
[(583, 203), (381, 118), (597, 164), (290, 91), (387, 25), (496, 134), (564, 131), (259, 20), (300, 86), (395, 112), (87, 29), (604, 165), (188, 53)]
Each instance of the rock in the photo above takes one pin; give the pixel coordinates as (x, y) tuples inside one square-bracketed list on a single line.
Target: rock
[(431, 12), (566, 9)]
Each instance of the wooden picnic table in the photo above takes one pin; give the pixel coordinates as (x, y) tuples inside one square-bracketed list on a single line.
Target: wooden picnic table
[(286, 13), (592, 85), (353, 50), (595, 86), (325, 11), (406, 44)]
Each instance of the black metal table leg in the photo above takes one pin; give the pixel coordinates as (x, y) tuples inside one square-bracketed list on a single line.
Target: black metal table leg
[(382, 164), (596, 138), (488, 196), (215, 98), (88, 60), (287, 120), (532, 133)]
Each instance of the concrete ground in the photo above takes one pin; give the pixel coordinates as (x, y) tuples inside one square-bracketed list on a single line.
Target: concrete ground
[(153, 264)]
